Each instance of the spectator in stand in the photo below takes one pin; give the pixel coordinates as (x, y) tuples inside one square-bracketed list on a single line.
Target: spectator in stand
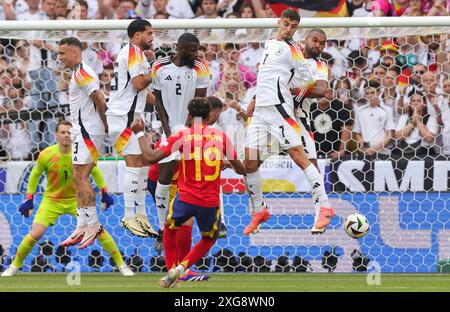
[(390, 93), (374, 124), (263, 11), (61, 8), (416, 130), (225, 7), (439, 8), (48, 6), (209, 9), (331, 124), (173, 8), (337, 49), (358, 74), (414, 8), (445, 122), (398, 7), (251, 56), (411, 51), (434, 57), (7, 11), (230, 57), (379, 72)]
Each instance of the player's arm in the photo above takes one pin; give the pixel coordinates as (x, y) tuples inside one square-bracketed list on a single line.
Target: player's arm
[(230, 153), (141, 82), (200, 92), (100, 103), (162, 112), (33, 181), (237, 165), (106, 199), (149, 154)]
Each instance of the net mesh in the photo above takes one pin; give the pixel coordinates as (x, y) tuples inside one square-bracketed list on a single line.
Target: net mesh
[(403, 191)]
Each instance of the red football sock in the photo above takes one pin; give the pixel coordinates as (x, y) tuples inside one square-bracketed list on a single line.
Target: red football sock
[(199, 250), (183, 241), (170, 247)]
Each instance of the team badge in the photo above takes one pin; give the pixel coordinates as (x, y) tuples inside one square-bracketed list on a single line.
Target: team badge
[(188, 75)]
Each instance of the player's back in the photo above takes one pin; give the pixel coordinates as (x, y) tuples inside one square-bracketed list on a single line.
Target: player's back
[(83, 113), (277, 67), (178, 85), (124, 98), (58, 169), (203, 150)]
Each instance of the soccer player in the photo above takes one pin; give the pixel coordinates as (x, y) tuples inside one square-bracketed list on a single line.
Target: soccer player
[(274, 115), (87, 114), (202, 150), (59, 198), (177, 79), (128, 93), (314, 44)]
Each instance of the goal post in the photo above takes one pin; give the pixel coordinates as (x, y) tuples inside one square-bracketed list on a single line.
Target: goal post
[(405, 198)]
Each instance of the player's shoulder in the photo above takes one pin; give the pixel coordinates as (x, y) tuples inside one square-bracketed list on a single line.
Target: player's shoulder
[(160, 63), (84, 74), (49, 151), (201, 67)]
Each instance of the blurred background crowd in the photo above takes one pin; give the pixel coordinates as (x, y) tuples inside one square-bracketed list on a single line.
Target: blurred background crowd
[(387, 96)]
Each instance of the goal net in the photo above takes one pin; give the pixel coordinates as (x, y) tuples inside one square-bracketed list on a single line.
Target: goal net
[(402, 188)]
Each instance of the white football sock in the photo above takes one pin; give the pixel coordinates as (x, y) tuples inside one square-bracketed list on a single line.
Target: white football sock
[(142, 192), (81, 217), (318, 188), (130, 189), (254, 187), (91, 215), (162, 202)]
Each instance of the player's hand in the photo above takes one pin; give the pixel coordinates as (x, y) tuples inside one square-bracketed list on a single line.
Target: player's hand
[(137, 125), (107, 200), (251, 108), (26, 208), (226, 164)]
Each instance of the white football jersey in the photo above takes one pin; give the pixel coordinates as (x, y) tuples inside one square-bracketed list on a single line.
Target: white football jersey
[(83, 112), (319, 71), (123, 97), (177, 86), (280, 62)]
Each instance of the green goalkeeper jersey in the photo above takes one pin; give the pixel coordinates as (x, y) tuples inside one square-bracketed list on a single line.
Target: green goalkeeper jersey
[(58, 169)]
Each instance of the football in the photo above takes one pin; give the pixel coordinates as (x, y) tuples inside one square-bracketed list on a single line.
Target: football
[(356, 225)]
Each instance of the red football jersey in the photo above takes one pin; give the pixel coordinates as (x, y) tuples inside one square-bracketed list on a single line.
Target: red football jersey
[(202, 151)]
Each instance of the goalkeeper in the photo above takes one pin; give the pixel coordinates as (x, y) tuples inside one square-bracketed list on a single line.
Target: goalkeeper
[(59, 198)]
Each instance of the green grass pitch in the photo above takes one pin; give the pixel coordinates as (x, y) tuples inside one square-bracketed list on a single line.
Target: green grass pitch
[(272, 282)]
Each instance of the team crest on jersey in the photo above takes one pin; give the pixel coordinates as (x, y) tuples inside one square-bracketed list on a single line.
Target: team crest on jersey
[(188, 75)]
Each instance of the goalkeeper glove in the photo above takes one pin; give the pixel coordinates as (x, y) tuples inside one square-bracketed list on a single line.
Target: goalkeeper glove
[(26, 209), (107, 199)]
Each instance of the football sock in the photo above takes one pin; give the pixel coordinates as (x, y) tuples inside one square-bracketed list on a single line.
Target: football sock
[(183, 241), (110, 247), (318, 188), (24, 249), (255, 191), (199, 250), (170, 247), (162, 202), (142, 192), (91, 215), (222, 215), (130, 189), (81, 217)]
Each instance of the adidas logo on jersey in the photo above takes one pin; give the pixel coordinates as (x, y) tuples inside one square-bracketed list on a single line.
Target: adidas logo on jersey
[(168, 78)]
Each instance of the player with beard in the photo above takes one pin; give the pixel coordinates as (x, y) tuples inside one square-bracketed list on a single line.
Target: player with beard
[(177, 79), (128, 96)]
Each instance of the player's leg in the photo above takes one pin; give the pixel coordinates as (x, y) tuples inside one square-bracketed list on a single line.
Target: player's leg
[(256, 140), (162, 192), (46, 216), (222, 227), (309, 145), (207, 220), (110, 247)]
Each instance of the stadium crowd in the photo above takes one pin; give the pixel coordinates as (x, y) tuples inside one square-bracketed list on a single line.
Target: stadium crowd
[(387, 97)]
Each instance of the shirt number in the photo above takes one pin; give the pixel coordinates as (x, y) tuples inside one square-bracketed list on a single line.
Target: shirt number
[(216, 163), (178, 89), (265, 58)]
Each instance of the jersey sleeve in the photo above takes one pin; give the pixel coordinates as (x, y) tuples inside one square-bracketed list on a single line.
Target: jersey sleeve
[(321, 72), (155, 77), (40, 166), (135, 62), (86, 80), (98, 177), (202, 74), (172, 144)]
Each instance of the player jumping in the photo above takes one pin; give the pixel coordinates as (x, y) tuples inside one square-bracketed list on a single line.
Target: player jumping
[(274, 115), (177, 79), (128, 97), (59, 199), (202, 150), (87, 114)]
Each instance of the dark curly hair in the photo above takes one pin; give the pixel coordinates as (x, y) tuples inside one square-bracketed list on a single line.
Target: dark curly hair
[(199, 107)]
